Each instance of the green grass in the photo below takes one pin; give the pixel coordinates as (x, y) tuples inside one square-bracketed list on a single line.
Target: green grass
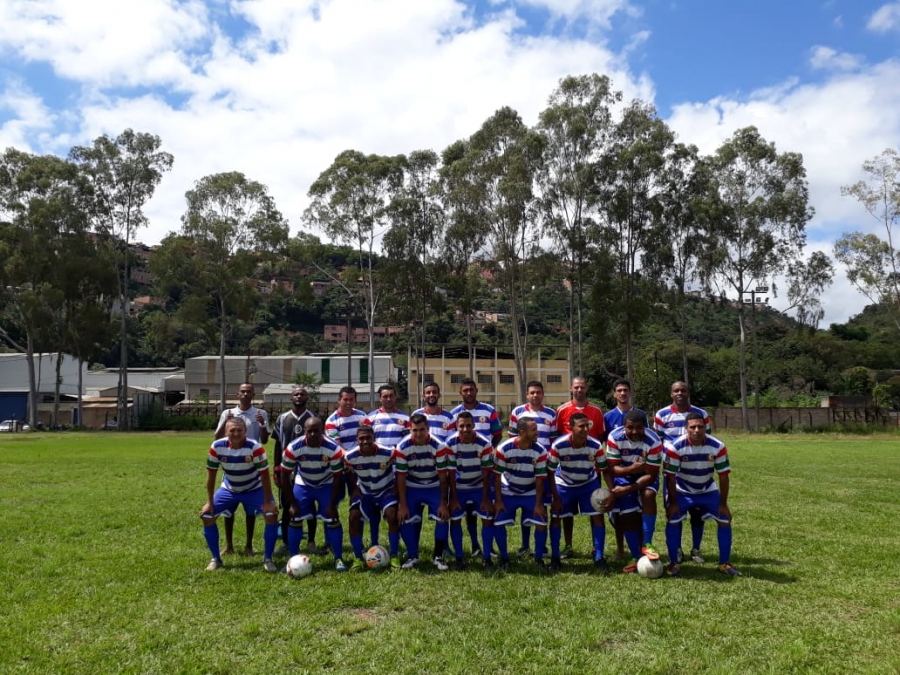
[(102, 557)]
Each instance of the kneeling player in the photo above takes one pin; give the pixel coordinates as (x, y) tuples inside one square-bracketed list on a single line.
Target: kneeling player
[(247, 482), (520, 474), (470, 493), (318, 487), (691, 464), (576, 460), (634, 454), (370, 471)]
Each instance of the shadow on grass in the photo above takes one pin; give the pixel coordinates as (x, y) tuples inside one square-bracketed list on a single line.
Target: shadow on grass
[(750, 568)]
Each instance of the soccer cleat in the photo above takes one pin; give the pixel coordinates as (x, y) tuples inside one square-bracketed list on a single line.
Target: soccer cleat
[(395, 563), (566, 552), (339, 566), (503, 565), (476, 553), (269, 566), (523, 552), (555, 564), (542, 567), (460, 565), (602, 565), (696, 557), (214, 564), (728, 568), (410, 564), (650, 552), (357, 565), (488, 565), (312, 549), (680, 557), (630, 568), (672, 570), (439, 564)]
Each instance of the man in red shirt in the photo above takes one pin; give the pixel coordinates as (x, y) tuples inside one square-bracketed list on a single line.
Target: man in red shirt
[(578, 404)]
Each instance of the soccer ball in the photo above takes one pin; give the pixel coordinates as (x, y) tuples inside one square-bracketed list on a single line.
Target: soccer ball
[(598, 496), (652, 569), (298, 567), (377, 558)]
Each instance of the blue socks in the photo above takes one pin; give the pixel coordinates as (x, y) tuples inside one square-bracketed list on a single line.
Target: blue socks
[(632, 538), (598, 534), (500, 538), (270, 538), (456, 536), (295, 536), (487, 540), (211, 534), (649, 528), (555, 536), (357, 545), (724, 535), (540, 543), (394, 543), (673, 540)]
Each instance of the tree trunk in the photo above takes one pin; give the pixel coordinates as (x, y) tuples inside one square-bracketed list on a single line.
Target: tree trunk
[(742, 362), (32, 382), (222, 383), (56, 388)]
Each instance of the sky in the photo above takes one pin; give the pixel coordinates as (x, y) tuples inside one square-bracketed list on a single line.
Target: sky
[(277, 89)]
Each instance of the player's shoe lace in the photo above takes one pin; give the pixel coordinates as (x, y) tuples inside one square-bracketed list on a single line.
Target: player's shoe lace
[(672, 569), (697, 557), (339, 566), (269, 566), (439, 564), (630, 568), (650, 552), (410, 564), (728, 568)]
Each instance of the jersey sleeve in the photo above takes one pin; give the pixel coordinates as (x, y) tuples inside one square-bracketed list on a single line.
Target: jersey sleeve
[(337, 460), (212, 459), (260, 461), (722, 464), (672, 461), (289, 457), (513, 429), (613, 453)]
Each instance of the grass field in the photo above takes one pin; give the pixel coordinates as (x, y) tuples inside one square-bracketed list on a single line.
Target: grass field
[(102, 557)]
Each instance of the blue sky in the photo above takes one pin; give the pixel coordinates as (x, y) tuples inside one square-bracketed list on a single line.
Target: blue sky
[(277, 88)]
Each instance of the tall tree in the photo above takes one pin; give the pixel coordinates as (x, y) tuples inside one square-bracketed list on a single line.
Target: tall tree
[(873, 263), (759, 227), (351, 203), (230, 226), (576, 127), (806, 281), (44, 200), (124, 172)]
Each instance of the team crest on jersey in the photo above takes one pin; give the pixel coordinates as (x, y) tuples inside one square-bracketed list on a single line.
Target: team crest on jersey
[(249, 459), (445, 425), (383, 466), (591, 457), (712, 458), (324, 458), (482, 419)]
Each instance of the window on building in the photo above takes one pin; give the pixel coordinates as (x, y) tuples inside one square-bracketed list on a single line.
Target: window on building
[(204, 392), (428, 377), (485, 379), (457, 378), (554, 379), (507, 379)]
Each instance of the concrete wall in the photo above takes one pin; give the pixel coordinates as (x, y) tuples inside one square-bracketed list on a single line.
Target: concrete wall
[(730, 418)]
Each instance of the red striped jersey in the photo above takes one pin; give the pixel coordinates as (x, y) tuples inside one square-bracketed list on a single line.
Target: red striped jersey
[(421, 463), (240, 466), (470, 460), (374, 474), (315, 466), (519, 468), (694, 465), (573, 466)]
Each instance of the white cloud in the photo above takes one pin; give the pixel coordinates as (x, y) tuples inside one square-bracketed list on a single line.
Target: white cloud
[(28, 117), (826, 58), (886, 18)]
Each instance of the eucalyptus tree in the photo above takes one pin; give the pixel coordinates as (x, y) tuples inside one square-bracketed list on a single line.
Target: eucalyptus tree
[(230, 226), (351, 202), (576, 127), (44, 201), (124, 172), (873, 262), (758, 228)]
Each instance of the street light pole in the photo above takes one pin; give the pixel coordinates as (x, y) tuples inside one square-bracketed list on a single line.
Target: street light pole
[(754, 300)]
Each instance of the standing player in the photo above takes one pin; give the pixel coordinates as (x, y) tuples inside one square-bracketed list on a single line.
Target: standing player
[(546, 423), (670, 425), (691, 464), (470, 455), (287, 428), (634, 453), (440, 420), (576, 460), (614, 419), (246, 482), (421, 468), (389, 422), (257, 421), (341, 424), (487, 424), (520, 476), (318, 487), (373, 495), (578, 404)]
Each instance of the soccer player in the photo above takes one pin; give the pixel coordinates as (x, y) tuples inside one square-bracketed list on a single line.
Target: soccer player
[(547, 432), (634, 454), (470, 455), (318, 464), (691, 465), (287, 428), (342, 423), (520, 475), (578, 404), (576, 461), (440, 420), (257, 422), (487, 424), (389, 422), (370, 472), (246, 482), (670, 425), (421, 469)]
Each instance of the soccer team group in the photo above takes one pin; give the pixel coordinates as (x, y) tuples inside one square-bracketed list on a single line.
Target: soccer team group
[(456, 465)]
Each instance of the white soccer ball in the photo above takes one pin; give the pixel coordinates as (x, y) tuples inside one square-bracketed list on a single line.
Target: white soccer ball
[(652, 569), (377, 558), (598, 496), (299, 566)]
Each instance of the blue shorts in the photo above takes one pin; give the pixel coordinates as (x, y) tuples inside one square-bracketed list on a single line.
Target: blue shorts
[(577, 499), (706, 504), (471, 497), (419, 497), (373, 507), (225, 502), (314, 502), (513, 503)]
